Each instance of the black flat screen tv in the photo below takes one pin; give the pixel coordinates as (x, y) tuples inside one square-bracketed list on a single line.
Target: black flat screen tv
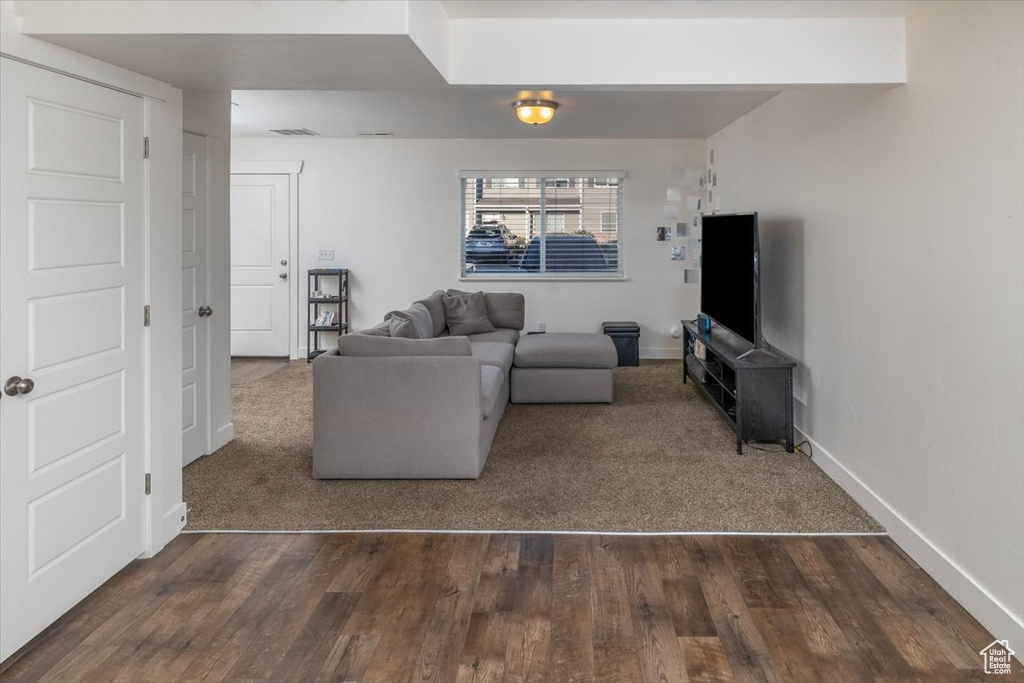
[(730, 291)]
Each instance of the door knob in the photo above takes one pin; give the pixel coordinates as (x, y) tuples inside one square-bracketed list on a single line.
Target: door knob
[(283, 276), (284, 262), (205, 311), (16, 385)]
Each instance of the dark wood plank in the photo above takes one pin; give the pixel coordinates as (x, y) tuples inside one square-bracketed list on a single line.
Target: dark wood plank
[(483, 652), (742, 556), (304, 660), (497, 587), (825, 642), (348, 660), (615, 646), (413, 587), (690, 615), (748, 655), (528, 651), (503, 607), (872, 646), (706, 661), (67, 634), (449, 620), (298, 603), (660, 653), (782, 635), (362, 564), (932, 609), (246, 621), (572, 616)]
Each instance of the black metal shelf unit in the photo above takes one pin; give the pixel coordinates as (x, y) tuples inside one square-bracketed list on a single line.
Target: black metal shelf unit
[(336, 280), (751, 388)]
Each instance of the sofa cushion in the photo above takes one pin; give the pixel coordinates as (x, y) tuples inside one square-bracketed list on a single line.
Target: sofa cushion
[(379, 330), (498, 354), (412, 323), (491, 380), (401, 328), (436, 308), (504, 309), (566, 350), (467, 313), (365, 345), (501, 334)]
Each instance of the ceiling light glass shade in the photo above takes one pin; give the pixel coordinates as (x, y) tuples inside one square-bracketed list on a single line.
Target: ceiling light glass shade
[(535, 112)]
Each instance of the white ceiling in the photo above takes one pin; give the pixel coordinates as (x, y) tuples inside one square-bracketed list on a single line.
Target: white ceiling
[(339, 84), (670, 9), (277, 61), (486, 113)]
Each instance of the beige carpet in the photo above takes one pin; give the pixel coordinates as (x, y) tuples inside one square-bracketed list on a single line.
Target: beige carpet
[(658, 459)]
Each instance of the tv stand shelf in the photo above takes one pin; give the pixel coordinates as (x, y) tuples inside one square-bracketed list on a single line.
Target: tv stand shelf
[(752, 388)]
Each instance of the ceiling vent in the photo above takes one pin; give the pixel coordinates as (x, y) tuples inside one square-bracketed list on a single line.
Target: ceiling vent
[(292, 131), (374, 134)]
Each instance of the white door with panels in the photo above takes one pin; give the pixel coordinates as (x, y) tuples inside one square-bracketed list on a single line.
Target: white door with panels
[(195, 338), (260, 307), (72, 256)]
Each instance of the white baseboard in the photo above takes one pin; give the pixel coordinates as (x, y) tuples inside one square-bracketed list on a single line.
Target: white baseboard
[(301, 353), (981, 604), (222, 436), (665, 353)]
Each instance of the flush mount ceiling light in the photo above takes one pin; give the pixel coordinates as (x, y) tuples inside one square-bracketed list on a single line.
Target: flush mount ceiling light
[(535, 112)]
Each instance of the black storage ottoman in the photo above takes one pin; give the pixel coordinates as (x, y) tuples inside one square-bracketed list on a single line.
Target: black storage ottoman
[(626, 336)]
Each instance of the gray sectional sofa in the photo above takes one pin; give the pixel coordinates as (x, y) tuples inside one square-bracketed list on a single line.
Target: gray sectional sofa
[(420, 395)]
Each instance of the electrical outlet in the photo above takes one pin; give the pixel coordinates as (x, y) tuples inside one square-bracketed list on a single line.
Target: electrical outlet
[(325, 255), (542, 326)]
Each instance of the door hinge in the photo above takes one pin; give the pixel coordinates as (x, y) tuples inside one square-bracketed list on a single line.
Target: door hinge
[(145, 315), (149, 483), (145, 148)]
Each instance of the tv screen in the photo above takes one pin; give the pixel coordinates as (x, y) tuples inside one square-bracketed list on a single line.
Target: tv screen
[(729, 288)]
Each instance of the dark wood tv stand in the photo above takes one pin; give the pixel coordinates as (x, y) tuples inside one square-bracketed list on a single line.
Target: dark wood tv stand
[(751, 388)]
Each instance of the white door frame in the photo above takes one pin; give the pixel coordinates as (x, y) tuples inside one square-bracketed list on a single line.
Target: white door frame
[(292, 169)]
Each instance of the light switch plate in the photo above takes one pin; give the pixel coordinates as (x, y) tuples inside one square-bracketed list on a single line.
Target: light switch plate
[(325, 255)]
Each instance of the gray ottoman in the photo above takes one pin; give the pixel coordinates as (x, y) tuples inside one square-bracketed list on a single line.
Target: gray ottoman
[(563, 367)]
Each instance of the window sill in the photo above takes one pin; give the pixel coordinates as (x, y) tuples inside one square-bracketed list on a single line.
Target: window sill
[(543, 278)]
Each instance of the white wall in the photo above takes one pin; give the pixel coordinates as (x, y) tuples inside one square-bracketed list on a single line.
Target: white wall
[(208, 112), (892, 241), (163, 113), (391, 211)]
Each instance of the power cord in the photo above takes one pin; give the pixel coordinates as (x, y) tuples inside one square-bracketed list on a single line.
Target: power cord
[(782, 449)]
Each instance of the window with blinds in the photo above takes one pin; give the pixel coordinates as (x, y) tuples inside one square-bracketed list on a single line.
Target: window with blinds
[(551, 224)]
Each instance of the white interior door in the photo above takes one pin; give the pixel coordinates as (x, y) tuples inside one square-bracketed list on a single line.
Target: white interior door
[(260, 310), (71, 286), (195, 338)]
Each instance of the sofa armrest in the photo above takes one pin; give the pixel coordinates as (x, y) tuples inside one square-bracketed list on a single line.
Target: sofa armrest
[(396, 417)]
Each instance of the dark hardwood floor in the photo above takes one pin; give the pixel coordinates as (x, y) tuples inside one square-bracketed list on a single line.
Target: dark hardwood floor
[(473, 607)]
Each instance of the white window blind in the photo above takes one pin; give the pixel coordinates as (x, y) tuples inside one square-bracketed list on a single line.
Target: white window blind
[(541, 224)]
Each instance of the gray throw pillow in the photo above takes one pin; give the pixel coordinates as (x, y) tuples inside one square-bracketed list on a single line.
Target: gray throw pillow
[(504, 309), (412, 323), (436, 308), (379, 330), (467, 314)]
